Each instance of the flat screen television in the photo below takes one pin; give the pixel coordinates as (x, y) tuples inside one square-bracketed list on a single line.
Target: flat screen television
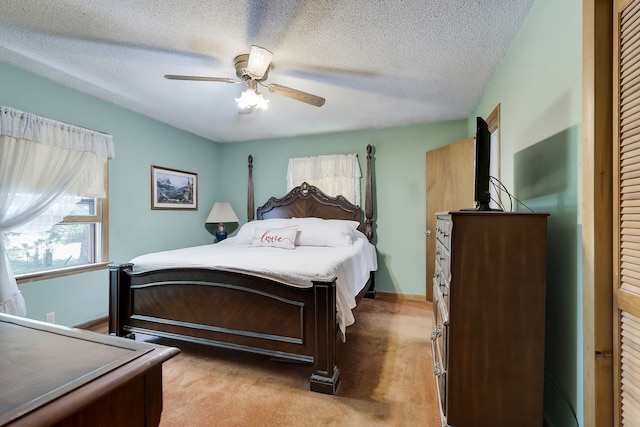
[(482, 160)]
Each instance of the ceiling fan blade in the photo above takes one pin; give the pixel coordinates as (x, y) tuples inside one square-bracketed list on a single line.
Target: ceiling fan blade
[(298, 95), (200, 78), (259, 60)]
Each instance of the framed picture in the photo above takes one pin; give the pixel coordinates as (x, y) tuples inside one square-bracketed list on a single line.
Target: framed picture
[(173, 189)]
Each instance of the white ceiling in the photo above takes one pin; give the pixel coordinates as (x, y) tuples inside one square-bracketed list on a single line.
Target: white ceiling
[(378, 63)]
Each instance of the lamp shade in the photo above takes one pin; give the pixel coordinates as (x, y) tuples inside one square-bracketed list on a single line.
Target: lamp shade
[(222, 212)]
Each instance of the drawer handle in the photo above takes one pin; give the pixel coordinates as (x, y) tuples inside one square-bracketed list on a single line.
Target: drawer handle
[(435, 334), (436, 370)]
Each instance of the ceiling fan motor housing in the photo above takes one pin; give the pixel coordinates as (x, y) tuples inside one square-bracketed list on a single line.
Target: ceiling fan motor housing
[(242, 63)]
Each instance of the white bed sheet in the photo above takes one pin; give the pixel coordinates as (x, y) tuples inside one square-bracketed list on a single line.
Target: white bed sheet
[(350, 265)]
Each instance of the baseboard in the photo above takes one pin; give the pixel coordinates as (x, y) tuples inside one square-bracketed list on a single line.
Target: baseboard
[(395, 297), (92, 323)]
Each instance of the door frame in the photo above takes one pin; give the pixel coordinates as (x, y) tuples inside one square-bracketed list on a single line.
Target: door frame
[(597, 212)]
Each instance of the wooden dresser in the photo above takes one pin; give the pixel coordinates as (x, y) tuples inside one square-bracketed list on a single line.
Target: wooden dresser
[(56, 376), (489, 318)]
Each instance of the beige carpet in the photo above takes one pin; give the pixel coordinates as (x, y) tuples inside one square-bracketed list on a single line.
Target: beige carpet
[(387, 379)]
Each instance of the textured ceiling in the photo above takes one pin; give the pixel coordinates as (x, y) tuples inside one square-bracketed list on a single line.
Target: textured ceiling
[(378, 63)]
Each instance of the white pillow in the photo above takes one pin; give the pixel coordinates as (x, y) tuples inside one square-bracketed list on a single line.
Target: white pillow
[(275, 237), (324, 232), (248, 230)]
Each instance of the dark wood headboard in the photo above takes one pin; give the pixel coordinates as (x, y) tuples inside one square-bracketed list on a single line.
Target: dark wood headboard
[(308, 201)]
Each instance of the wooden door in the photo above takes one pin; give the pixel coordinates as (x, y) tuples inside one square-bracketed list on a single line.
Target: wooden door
[(450, 179), (626, 233)]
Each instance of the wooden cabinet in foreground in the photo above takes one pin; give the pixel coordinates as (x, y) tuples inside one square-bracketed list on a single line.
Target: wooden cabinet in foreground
[(489, 317), (56, 376)]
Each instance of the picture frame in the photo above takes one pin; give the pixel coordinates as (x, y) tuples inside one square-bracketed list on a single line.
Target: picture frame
[(173, 189)]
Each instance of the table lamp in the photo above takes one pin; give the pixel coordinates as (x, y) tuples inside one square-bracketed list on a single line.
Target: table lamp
[(221, 212)]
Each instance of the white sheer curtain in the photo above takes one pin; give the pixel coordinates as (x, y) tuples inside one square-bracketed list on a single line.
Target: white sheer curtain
[(335, 175), (42, 160)]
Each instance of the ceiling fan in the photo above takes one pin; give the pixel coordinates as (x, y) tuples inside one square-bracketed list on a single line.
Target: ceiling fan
[(253, 69)]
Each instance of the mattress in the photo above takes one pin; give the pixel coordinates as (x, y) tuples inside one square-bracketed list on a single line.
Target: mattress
[(350, 265)]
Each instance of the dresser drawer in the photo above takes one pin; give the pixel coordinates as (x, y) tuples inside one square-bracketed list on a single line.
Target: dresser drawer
[(439, 347), (438, 271), (443, 247), (443, 230), (441, 324), (442, 257)]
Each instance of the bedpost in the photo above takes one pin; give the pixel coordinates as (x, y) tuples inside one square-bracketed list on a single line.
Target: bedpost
[(250, 210), (368, 215), (326, 375), (119, 303), (368, 199)]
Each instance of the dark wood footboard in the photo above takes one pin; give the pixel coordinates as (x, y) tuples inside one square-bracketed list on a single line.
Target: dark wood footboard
[(231, 310)]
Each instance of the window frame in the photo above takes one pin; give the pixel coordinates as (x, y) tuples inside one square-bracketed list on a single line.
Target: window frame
[(101, 218)]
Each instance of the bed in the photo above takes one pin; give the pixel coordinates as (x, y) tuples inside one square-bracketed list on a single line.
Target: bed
[(226, 306)]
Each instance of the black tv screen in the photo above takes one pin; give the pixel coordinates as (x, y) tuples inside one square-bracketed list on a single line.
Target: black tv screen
[(482, 194)]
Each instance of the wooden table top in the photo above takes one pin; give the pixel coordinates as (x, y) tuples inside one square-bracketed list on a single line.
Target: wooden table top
[(41, 362)]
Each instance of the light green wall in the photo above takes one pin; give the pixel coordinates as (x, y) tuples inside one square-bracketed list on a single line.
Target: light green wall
[(134, 227), (400, 187), (539, 88)]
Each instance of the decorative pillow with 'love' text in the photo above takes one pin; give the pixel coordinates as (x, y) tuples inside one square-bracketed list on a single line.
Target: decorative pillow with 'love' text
[(284, 238)]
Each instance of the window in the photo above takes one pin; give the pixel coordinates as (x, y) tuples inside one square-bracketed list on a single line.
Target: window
[(77, 243), (42, 163), (335, 175)]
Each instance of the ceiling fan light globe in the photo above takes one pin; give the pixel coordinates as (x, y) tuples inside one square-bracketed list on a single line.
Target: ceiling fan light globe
[(250, 98), (261, 102), (259, 60), (246, 99)]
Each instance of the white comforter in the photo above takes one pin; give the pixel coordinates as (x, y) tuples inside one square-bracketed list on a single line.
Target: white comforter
[(350, 265)]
